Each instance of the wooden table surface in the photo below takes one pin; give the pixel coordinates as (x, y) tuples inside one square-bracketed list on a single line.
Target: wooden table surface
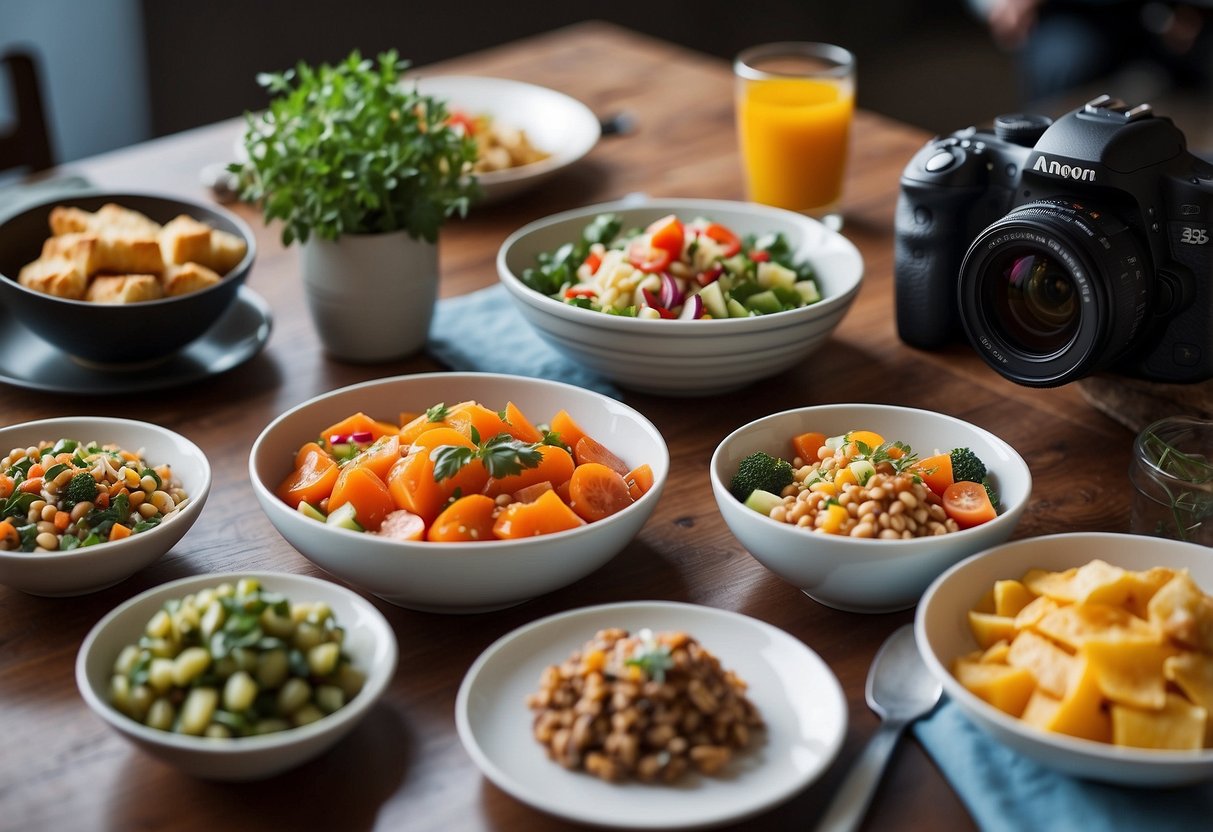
[(404, 768)]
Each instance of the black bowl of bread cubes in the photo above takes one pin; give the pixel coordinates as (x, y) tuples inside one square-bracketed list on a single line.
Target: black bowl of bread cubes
[(122, 279)]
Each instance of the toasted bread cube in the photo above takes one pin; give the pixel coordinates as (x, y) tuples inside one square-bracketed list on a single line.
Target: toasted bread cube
[(57, 277), (1006, 688), (227, 250), (1178, 725), (1130, 673), (66, 219), (186, 278), (106, 254), (185, 240), (1051, 665), (124, 288)]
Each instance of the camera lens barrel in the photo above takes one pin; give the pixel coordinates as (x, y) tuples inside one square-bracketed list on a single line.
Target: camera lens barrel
[(1053, 291)]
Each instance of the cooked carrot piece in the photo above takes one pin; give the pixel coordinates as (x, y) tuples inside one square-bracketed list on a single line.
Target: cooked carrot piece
[(520, 425), (313, 478), (807, 445), (6, 486), (936, 472), (369, 495), (596, 491), (472, 415), (569, 431), (402, 525), (411, 479), (358, 423), (421, 423), (119, 531), (639, 480), (591, 450), (30, 486), (556, 466), (546, 515), (62, 520), (468, 518), (9, 532), (532, 492), (380, 456)]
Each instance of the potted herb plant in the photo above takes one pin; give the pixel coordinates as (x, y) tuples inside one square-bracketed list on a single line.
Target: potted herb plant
[(362, 171)]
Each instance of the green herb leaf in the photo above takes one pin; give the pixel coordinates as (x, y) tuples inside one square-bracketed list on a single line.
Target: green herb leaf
[(437, 413), (651, 657), (503, 455)]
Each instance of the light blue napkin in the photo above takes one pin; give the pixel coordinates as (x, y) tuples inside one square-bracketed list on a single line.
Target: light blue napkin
[(1007, 792), (484, 332)]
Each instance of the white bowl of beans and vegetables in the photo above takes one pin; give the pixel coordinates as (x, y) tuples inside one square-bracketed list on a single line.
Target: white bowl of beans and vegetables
[(681, 297), (237, 676), (86, 502), (861, 506)]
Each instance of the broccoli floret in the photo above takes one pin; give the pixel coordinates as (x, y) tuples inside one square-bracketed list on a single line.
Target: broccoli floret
[(760, 471), (991, 491), (966, 467), (81, 488)]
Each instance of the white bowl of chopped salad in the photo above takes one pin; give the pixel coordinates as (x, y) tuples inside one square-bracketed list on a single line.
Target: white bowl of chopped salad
[(681, 296), (85, 502), (832, 518)]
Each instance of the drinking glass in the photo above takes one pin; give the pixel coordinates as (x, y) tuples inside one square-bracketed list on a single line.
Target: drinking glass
[(1172, 475), (795, 102)]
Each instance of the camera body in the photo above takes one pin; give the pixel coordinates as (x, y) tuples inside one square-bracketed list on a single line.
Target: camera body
[(1061, 248)]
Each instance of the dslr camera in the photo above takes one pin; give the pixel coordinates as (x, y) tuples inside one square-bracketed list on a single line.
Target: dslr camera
[(1061, 248)]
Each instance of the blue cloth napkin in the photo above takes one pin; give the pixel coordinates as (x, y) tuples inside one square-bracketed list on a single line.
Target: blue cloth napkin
[(1007, 792), (484, 332)]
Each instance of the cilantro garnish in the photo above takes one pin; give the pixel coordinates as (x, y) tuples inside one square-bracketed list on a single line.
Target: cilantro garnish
[(651, 657), (437, 413), (503, 456)]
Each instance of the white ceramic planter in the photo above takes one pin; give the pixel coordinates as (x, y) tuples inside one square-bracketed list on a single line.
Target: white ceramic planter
[(371, 296)]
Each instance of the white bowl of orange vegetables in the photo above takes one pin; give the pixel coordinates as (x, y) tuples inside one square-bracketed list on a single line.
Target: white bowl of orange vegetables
[(831, 556), (459, 492)]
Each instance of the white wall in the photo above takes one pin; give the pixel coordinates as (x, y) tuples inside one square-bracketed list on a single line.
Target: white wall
[(94, 75)]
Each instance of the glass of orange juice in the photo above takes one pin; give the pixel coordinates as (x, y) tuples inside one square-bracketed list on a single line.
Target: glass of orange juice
[(794, 108)]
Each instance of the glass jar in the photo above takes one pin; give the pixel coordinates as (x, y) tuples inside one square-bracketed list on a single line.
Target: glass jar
[(1172, 474)]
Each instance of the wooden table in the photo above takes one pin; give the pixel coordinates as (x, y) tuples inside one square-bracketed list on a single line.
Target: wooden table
[(404, 768)]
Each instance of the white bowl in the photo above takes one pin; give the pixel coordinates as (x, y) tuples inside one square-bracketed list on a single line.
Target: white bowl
[(676, 357), (553, 122), (89, 569), (369, 642), (942, 630), (854, 574), (459, 577)]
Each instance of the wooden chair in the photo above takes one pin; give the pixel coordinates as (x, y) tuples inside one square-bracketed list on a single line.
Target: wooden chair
[(28, 144)]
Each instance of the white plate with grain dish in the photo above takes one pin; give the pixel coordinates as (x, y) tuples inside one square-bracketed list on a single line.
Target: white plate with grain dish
[(795, 692), (554, 123)]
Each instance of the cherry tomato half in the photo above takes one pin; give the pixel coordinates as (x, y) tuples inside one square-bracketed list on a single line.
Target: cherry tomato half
[(667, 233), (729, 242), (461, 119), (968, 504), (647, 258), (593, 260)]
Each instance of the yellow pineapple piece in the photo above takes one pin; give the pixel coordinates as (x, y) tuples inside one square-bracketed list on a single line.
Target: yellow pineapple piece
[(1080, 712), (989, 629), (1143, 585), (1010, 597), (996, 653), (1094, 582), (1183, 612), (1192, 673), (1075, 624), (1130, 673), (1006, 688), (1030, 615), (986, 603), (1178, 725), (1049, 664), (1041, 710)]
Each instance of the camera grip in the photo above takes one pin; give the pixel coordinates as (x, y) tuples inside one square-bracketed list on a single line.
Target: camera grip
[(930, 242)]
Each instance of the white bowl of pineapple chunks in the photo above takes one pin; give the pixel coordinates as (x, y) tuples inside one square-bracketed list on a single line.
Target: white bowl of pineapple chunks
[(1091, 653)]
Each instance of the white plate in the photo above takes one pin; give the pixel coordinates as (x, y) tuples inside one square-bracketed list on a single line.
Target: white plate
[(552, 121), (795, 692)]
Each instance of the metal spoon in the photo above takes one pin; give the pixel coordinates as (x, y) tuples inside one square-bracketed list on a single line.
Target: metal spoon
[(900, 689)]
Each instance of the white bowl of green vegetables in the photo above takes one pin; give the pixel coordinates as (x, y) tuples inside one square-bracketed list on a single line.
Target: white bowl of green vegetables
[(681, 297), (58, 539), (207, 696)]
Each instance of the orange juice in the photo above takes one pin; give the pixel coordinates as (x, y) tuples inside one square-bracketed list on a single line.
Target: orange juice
[(793, 134)]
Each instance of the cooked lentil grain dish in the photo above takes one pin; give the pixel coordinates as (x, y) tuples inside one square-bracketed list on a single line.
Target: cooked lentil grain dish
[(61, 495), (232, 661), (857, 484), (646, 706)]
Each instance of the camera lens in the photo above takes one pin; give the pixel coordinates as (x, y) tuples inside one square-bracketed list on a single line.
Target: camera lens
[(1034, 300), (1052, 292)]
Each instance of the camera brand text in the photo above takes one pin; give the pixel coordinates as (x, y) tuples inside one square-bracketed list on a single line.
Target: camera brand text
[(1064, 171)]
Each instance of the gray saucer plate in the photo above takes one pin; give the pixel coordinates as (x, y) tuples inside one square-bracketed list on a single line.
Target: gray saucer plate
[(30, 362)]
